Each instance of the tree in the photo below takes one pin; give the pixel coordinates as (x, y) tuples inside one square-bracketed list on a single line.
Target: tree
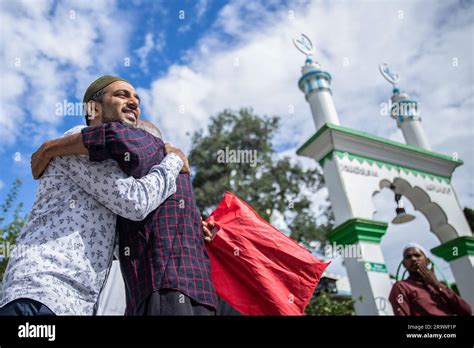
[(10, 231), (323, 304), (237, 155)]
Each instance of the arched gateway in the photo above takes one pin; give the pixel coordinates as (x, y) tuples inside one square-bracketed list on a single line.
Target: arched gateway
[(357, 165)]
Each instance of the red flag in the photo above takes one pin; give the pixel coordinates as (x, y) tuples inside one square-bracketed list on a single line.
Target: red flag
[(256, 268)]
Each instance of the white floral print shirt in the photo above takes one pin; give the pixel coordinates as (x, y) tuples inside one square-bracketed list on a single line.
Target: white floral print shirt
[(64, 251)]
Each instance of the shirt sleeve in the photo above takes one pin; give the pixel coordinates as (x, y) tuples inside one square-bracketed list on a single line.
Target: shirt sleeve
[(451, 300), (128, 197), (132, 148), (399, 300)]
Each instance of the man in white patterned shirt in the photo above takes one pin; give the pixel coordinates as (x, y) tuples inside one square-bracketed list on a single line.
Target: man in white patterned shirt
[(64, 251)]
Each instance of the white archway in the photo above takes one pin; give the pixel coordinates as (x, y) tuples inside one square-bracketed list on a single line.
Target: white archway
[(398, 235), (422, 202)]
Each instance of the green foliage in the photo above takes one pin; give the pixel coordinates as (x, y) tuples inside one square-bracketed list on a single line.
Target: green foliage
[(469, 214), (274, 184), (454, 287), (10, 231), (324, 304)]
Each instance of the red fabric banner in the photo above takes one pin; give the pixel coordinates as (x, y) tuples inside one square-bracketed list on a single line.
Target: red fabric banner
[(256, 268)]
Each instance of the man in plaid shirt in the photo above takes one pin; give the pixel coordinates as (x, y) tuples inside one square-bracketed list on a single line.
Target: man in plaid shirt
[(163, 258)]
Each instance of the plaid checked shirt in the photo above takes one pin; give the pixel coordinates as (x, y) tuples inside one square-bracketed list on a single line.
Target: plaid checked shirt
[(166, 250)]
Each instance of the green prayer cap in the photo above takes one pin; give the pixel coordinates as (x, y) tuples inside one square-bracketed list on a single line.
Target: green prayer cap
[(100, 83)]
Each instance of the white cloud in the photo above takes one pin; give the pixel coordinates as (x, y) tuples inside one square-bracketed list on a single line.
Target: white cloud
[(247, 59), (194, 17), (201, 8), (148, 47), (48, 50), (145, 50)]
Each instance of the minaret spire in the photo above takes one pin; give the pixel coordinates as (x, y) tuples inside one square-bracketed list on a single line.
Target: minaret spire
[(405, 111), (315, 84)]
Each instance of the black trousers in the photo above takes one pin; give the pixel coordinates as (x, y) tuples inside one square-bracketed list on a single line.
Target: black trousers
[(172, 302), (25, 307)]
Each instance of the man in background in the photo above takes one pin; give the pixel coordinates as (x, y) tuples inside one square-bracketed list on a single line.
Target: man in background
[(421, 293)]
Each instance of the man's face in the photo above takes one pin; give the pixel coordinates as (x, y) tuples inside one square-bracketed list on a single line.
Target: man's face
[(120, 103), (413, 258)]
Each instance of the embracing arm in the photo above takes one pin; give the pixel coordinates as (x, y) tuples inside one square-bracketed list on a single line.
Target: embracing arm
[(65, 146), (128, 197), (132, 148)]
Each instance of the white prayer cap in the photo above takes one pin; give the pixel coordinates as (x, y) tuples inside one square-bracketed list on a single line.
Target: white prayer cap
[(415, 245)]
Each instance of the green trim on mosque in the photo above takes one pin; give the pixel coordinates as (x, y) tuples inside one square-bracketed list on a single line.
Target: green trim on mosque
[(390, 166), (351, 131), (455, 248), (355, 230)]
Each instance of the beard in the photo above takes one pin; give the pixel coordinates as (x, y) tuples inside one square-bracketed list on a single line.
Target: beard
[(118, 117)]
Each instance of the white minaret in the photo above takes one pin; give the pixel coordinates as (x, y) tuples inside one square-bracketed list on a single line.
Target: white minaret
[(315, 84), (344, 193), (406, 112)]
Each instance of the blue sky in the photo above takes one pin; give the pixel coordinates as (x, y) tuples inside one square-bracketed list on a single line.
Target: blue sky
[(232, 54)]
